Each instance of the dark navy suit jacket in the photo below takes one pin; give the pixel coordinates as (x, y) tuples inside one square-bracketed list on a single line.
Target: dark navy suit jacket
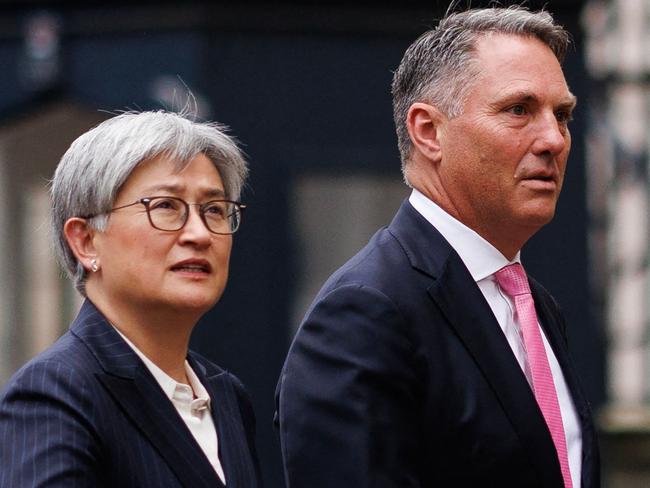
[(401, 377), (87, 413)]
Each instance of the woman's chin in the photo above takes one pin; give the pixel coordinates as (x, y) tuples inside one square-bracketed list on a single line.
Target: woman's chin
[(194, 302)]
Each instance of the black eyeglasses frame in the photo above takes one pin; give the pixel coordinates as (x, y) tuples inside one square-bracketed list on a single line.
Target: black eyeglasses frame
[(146, 202)]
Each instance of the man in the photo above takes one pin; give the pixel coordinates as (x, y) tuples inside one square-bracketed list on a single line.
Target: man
[(425, 360)]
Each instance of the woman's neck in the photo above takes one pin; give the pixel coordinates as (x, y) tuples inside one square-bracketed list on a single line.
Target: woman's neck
[(161, 335)]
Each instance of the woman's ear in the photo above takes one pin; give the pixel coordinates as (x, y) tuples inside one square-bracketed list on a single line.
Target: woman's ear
[(80, 237), (424, 122)]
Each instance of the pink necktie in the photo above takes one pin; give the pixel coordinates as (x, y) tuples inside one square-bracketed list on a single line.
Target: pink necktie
[(512, 280)]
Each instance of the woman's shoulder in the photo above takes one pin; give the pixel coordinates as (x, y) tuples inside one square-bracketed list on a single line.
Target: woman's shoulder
[(66, 362)]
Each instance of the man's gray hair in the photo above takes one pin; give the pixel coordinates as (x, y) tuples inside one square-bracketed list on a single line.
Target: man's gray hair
[(98, 163), (438, 68)]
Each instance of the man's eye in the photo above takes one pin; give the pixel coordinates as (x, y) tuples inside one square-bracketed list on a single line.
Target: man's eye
[(564, 117), (517, 110)]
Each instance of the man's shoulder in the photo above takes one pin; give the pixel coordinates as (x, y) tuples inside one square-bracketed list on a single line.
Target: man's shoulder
[(379, 260), (393, 254), (381, 276)]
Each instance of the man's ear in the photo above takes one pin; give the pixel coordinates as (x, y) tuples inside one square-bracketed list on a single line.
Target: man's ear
[(423, 122), (80, 237)]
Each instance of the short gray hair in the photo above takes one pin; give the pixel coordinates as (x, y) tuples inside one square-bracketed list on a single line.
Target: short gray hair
[(98, 163), (438, 67)]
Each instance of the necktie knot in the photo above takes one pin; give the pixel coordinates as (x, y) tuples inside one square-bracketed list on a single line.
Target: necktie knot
[(512, 279)]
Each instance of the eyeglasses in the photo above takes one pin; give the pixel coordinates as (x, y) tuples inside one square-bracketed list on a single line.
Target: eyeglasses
[(171, 213)]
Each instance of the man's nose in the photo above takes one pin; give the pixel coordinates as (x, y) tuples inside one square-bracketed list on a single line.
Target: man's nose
[(552, 136)]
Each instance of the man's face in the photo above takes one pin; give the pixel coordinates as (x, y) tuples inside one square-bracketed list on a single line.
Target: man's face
[(503, 160)]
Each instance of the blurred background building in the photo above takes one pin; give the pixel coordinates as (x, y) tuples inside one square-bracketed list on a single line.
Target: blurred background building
[(617, 54), (306, 87)]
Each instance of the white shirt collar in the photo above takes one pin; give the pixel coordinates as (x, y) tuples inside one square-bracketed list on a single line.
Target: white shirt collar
[(481, 258), (168, 384)]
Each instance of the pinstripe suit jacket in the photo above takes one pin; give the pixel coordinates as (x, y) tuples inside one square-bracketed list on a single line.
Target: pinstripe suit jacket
[(88, 413)]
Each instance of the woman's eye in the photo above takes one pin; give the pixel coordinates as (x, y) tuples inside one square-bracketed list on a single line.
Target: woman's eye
[(163, 204), (215, 209)]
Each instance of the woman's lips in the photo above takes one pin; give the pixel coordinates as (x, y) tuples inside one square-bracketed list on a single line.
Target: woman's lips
[(192, 266)]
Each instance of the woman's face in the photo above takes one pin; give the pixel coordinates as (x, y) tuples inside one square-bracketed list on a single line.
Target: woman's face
[(157, 270)]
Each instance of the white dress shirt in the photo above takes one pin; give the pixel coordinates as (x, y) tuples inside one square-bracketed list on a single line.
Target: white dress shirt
[(192, 403), (482, 260)]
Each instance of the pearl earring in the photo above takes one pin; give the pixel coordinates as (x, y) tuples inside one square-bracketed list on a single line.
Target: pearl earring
[(94, 267)]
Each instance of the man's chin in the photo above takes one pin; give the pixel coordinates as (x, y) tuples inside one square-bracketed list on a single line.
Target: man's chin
[(538, 214)]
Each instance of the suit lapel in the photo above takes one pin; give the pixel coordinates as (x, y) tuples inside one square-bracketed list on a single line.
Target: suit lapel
[(554, 333), (153, 413), (233, 451), (475, 325), (469, 315), (142, 400)]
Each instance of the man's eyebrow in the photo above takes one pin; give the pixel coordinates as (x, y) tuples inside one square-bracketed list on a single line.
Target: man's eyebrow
[(519, 96), (523, 95), (567, 103)]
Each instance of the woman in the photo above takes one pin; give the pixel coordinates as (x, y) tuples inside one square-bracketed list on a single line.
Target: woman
[(143, 211)]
